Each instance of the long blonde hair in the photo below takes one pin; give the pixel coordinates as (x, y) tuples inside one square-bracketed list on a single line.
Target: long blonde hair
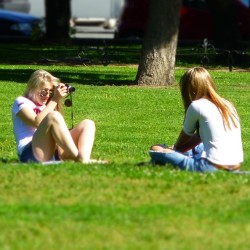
[(197, 83), (38, 79)]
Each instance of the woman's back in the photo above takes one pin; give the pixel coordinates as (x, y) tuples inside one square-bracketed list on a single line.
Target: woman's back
[(222, 145)]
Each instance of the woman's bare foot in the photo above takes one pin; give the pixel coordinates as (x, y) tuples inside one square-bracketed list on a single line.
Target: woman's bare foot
[(159, 148)]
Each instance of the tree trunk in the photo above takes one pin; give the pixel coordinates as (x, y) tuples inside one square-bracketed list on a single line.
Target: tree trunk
[(159, 47), (58, 14)]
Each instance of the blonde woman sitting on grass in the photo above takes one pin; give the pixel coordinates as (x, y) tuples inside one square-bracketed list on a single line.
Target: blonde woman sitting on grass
[(210, 139), (40, 130)]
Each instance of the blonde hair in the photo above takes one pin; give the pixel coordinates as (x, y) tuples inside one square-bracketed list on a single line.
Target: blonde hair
[(37, 80), (197, 83)]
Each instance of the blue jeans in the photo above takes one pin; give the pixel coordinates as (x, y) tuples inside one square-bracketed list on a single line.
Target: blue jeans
[(189, 161)]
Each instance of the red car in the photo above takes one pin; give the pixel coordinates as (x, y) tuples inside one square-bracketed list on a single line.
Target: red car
[(195, 20)]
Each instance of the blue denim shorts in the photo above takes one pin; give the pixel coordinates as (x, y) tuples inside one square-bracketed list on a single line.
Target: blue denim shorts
[(189, 161), (28, 156)]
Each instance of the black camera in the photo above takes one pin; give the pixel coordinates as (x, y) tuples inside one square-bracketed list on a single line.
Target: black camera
[(70, 89)]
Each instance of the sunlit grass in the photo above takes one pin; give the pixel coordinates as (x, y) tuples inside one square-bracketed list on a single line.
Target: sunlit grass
[(121, 205)]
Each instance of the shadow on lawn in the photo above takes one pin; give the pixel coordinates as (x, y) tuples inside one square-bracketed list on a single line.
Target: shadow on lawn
[(90, 78)]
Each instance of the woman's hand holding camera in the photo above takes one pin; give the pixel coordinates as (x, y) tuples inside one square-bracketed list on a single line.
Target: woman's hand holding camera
[(60, 92)]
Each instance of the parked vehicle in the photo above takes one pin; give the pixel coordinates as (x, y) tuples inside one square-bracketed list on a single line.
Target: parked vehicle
[(20, 25), (96, 12), (195, 20), (15, 5)]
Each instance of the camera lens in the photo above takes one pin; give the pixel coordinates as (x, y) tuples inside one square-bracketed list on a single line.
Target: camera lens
[(71, 89)]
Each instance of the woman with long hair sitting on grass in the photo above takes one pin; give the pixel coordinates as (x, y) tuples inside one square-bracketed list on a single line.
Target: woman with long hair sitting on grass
[(40, 130), (210, 139)]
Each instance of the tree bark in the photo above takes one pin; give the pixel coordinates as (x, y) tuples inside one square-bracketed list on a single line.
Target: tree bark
[(160, 42), (58, 14)]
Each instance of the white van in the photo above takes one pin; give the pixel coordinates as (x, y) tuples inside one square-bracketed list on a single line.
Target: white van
[(87, 12), (96, 12)]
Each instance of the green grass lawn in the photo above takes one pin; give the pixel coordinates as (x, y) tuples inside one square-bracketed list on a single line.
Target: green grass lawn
[(121, 205)]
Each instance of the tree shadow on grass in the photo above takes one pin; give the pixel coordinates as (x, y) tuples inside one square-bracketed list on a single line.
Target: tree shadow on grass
[(97, 79), (89, 78), (15, 75)]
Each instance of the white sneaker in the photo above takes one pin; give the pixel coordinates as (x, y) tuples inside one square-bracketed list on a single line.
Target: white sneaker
[(93, 161), (51, 162)]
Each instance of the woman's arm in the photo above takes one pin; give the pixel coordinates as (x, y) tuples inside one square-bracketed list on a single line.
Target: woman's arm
[(186, 142), (28, 116)]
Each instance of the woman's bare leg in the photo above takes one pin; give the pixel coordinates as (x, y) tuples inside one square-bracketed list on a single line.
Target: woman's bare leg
[(84, 135), (51, 132)]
